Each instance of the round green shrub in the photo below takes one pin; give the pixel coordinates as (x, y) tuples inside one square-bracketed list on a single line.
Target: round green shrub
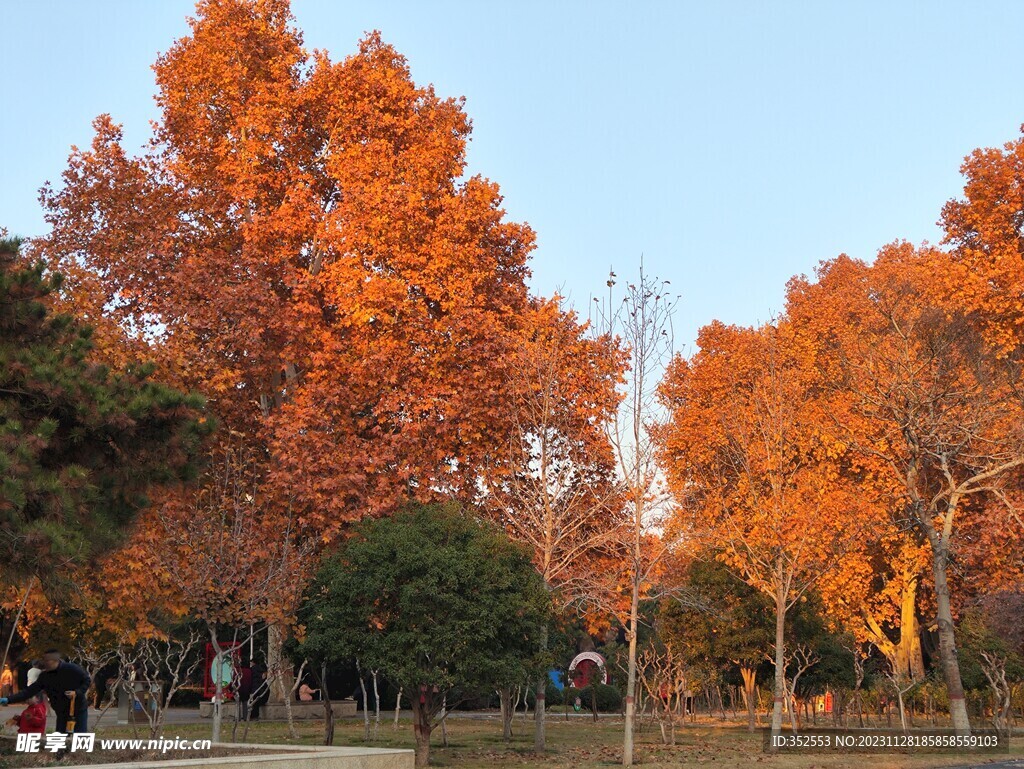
[(609, 699), (552, 696)]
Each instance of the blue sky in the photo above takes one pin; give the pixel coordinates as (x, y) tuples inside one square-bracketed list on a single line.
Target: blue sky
[(732, 144)]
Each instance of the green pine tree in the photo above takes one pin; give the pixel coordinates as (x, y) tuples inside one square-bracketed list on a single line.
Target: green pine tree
[(80, 444)]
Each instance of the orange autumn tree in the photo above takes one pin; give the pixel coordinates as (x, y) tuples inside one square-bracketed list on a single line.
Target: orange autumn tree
[(108, 599), (299, 240), (875, 590), (984, 276), (233, 561), (756, 477), (213, 561), (937, 409), (553, 485), (986, 282), (875, 593), (993, 546), (218, 558)]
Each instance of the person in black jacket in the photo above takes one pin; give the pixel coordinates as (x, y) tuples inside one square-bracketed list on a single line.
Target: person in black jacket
[(104, 676), (59, 680)]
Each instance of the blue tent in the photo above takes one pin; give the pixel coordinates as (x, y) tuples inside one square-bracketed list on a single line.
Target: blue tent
[(556, 679)]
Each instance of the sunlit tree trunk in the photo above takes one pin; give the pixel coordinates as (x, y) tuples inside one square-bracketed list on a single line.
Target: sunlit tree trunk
[(780, 664), (749, 693), (947, 646), (634, 615)]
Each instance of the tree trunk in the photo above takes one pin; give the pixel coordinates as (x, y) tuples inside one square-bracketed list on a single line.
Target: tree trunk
[(539, 736), (909, 660), (376, 706), (218, 693), (328, 708), (291, 698), (794, 707), (903, 710), (398, 706), (280, 684), (749, 690), (444, 721), (994, 668), (947, 641), (292, 734), (421, 731), (505, 701), (904, 657), (858, 676), (634, 612), (366, 706), (780, 665)]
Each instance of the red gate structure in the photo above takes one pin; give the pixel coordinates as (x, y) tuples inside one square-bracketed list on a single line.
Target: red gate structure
[(587, 667), (232, 654)]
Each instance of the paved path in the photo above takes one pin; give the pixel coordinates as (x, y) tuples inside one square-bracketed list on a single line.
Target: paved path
[(191, 716)]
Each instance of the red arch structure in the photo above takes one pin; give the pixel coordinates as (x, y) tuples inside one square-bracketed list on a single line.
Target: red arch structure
[(587, 667)]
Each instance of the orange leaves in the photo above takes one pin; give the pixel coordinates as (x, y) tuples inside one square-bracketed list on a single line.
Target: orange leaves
[(550, 483), (299, 243), (908, 364), (748, 458), (986, 275)]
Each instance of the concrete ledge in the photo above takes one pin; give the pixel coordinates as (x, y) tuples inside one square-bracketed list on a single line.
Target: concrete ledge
[(301, 711), (286, 756)]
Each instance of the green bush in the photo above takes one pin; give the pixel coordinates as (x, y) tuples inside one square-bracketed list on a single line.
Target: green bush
[(552, 696), (609, 699)]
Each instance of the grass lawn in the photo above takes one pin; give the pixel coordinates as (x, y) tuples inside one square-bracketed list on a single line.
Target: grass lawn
[(579, 742)]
